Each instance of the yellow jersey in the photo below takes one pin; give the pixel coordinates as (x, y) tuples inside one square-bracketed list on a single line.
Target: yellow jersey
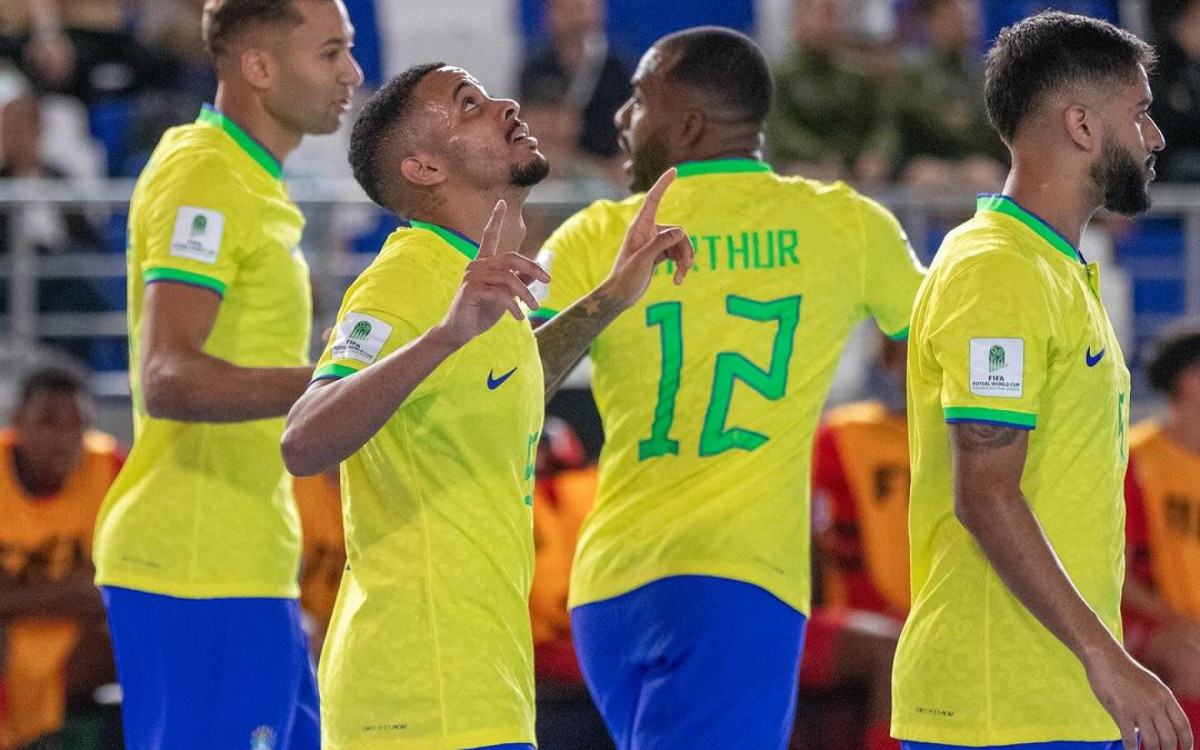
[(1009, 329), (430, 645), (45, 539), (201, 509), (710, 391)]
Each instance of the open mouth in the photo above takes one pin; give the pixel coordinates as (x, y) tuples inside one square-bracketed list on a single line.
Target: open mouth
[(520, 134)]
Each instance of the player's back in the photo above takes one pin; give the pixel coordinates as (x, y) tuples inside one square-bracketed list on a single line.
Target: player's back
[(710, 391)]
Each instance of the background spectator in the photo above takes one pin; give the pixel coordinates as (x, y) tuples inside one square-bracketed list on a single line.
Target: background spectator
[(54, 473), (323, 557), (1176, 87), (944, 140), (576, 57), (829, 113)]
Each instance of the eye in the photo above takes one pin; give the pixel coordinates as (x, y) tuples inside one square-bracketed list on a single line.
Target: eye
[(469, 104), (332, 54)]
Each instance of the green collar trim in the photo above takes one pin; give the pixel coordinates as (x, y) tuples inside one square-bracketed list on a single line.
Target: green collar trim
[(1002, 204), (210, 116), (721, 166), (455, 240)]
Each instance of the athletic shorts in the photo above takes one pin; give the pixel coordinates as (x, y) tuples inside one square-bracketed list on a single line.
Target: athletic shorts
[(692, 662), (1062, 745), (199, 674)]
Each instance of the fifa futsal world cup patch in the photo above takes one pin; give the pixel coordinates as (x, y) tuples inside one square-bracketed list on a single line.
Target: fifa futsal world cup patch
[(197, 234), (359, 337), (998, 367)]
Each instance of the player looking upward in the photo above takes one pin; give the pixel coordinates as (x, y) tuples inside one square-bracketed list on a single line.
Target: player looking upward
[(691, 581), (1018, 405), (198, 542), (431, 394)]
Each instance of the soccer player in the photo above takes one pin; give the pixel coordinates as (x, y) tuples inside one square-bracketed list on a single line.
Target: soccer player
[(691, 581), (431, 394), (1018, 406), (1161, 598), (54, 472), (860, 499), (198, 543)]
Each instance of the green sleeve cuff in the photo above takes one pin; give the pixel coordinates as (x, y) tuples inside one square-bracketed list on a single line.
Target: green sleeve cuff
[(332, 371), (901, 335), (543, 313), (1018, 419), (178, 276)]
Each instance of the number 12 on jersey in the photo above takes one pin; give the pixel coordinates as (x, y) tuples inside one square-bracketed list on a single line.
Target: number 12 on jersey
[(730, 367)]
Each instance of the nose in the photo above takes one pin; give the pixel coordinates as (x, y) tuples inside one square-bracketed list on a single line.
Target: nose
[(352, 74), (1157, 141), (621, 118), (509, 109)]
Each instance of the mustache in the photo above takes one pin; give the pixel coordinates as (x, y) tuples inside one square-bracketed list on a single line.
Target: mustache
[(517, 122)]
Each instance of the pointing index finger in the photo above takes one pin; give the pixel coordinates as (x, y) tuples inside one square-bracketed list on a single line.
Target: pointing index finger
[(649, 209), (489, 244)]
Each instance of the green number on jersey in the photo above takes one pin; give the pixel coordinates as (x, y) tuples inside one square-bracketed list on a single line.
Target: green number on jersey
[(731, 367)]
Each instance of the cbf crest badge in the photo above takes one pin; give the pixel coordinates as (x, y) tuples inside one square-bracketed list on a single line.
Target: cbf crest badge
[(262, 738)]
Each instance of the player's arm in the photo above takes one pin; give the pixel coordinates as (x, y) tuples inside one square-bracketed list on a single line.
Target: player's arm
[(988, 461), (181, 381), (335, 418), (564, 340)]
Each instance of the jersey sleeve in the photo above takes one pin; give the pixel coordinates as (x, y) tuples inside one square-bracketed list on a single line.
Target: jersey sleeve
[(892, 273), (389, 306), (192, 227), (989, 328), (567, 256)]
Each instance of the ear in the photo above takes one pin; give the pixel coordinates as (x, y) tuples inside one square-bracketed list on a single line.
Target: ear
[(422, 171), (690, 127), (1082, 126), (258, 67)]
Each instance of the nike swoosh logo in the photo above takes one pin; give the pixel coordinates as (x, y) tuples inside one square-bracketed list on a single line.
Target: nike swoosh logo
[(494, 382), (1092, 361)]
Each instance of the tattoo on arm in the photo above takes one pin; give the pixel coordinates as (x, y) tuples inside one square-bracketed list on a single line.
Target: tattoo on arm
[(563, 341), (976, 437)]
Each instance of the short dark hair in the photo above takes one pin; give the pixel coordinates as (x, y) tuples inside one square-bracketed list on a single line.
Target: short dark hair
[(223, 19), (378, 125), (50, 378), (1052, 50), (1174, 351), (726, 64)]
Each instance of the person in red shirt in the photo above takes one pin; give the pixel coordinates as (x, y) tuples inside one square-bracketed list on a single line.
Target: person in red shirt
[(54, 473), (1161, 597), (860, 528)]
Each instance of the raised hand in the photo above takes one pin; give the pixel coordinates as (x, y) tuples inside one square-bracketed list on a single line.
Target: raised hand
[(648, 243), (492, 285), (1139, 703)]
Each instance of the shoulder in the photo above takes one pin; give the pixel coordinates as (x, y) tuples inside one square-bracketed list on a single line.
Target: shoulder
[(602, 216), (191, 162), (412, 265)]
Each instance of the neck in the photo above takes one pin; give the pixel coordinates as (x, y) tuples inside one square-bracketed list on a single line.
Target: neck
[(250, 115), (732, 142), (1182, 429), (33, 482), (1036, 182), (468, 214)]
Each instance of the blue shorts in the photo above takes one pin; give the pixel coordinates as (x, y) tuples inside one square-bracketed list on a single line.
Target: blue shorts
[(692, 661), (1064, 745), (198, 674)]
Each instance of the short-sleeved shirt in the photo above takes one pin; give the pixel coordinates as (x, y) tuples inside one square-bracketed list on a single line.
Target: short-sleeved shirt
[(860, 468), (203, 509), (710, 391), (430, 645), (43, 540), (1009, 329), (1163, 506)]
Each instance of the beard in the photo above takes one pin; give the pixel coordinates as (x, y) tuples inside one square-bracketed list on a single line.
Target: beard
[(1122, 180), (649, 162), (530, 173)]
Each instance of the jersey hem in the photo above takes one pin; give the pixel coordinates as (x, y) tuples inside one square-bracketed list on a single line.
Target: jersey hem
[(779, 586), (1019, 736), (212, 591), (485, 738)]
